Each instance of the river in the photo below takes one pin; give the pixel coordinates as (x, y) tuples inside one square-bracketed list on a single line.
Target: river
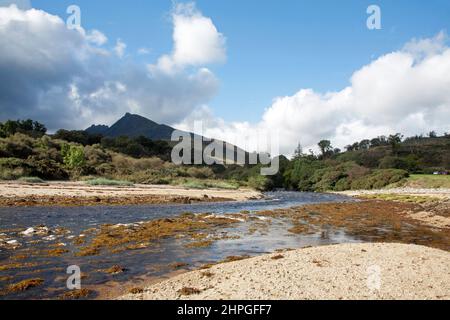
[(145, 264)]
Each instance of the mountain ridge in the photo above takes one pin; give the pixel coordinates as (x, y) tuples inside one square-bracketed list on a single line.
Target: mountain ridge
[(133, 125)]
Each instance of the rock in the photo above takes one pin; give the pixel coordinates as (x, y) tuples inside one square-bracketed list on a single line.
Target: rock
[(29, 232), (49, 238), (13, 243), (43, 230)]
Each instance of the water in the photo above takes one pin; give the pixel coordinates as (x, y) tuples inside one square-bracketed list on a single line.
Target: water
[(80, 218), (150, 262)]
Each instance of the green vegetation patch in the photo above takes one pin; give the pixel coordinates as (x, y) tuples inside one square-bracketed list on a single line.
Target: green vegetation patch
[(428, 181), (108, 182), (31, 180), (402, 198)]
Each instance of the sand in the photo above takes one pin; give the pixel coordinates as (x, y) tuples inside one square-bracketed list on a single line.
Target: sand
[(436, 213), (347, 271), (441, 193), (14, 193)]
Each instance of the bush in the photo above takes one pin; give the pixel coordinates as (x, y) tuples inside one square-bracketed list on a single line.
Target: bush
[(379, 179), (260, 183), (200, 172), (13, 168), (73, 156), (31, 180)]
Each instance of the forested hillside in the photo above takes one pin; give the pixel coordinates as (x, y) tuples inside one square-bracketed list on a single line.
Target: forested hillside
[(27, 151)]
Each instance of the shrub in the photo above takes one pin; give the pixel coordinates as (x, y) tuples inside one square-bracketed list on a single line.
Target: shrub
[(200, 172), (379, 179), (261, 183), (73, 156), (31, 180), (205, 184), (13, 168)]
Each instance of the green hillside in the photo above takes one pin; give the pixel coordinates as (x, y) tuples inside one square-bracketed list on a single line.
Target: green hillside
[(27, 151)]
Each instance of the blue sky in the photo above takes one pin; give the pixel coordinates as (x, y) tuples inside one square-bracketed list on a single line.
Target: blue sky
[(274, 48)]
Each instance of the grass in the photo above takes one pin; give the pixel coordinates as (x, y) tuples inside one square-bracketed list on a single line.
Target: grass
[(208, 184), (31, 180), (401, 198), (108, 182), (428, 181)]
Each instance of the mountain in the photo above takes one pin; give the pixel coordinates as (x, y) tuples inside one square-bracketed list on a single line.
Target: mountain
[(132, 125)]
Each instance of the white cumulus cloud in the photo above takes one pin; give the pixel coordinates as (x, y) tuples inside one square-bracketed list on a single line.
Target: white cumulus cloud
[(120, 48), (197, 42), (96, 37), (21, 4), (404, 91)]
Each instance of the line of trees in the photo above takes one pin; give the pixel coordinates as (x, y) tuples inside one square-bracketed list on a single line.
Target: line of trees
[(29, 127)]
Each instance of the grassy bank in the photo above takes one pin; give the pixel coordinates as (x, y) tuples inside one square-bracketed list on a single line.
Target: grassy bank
[(428, 181)]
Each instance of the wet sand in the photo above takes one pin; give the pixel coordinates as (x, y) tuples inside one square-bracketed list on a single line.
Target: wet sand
[(81, 194), (435, 203), (346, 271)]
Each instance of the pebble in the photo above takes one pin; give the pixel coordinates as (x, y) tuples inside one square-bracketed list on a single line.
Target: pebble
[(28, 232)]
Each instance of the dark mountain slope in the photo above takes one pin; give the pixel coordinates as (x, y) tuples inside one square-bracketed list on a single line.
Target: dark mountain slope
[(132, 126)]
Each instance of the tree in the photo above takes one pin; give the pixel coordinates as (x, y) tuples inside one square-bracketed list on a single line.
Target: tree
[(80, 137), (325, 147), (336, 151), (378, 142), (394, 141), (349, 148), (298, 153), (364, 145), (29, 127), (73, 156), (432, 134)]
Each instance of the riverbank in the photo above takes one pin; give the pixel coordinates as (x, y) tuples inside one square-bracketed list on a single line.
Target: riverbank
[(439, 193), (346, 271), (81, 194), (124, 249), (433, 204)]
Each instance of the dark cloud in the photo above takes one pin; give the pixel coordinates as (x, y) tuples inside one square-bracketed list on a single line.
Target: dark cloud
[(56, 76)]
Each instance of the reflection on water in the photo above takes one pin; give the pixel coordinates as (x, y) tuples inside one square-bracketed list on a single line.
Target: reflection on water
[(246, 238)]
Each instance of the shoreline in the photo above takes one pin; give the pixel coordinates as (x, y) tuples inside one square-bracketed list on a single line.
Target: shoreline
[(75, 194), (338, 272), (371, 221), (434, 203), (441, 193)]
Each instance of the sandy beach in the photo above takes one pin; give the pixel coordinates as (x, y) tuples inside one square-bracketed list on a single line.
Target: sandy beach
[(347, 271), (441, 193), (79, 193), (435, 203)]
